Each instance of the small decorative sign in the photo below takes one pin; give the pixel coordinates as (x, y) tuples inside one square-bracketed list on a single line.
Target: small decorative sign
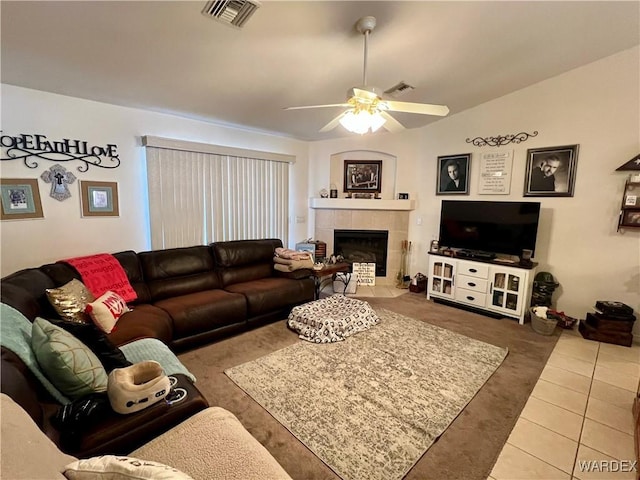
[(26, 146), (495, 173), (366, 273)]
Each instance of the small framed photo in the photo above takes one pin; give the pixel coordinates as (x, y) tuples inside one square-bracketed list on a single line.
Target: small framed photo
[(20, 199), (362, 176), (403, 196), (453, 174), (631, 195), (551, 171), (99, 199), (630, 218)]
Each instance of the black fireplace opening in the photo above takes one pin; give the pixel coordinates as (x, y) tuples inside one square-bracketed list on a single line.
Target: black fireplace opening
[(363, 246)]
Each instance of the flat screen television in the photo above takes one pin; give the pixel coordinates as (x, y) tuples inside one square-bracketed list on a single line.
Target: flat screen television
[(493, 227)]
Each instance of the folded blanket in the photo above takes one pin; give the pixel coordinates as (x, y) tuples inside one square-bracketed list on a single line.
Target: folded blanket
[(283, 261), (15, 335), (296, 265), (292, 254), (153, 349), (103, 272)]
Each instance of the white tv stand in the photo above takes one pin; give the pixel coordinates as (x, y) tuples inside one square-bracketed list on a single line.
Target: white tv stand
[(489, 285)]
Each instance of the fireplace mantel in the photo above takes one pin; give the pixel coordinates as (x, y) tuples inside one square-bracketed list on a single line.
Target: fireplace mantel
[(361, 204)]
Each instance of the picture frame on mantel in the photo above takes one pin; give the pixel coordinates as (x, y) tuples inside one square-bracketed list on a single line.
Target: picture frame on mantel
[(362, 176), (20, 199), (99, 199)]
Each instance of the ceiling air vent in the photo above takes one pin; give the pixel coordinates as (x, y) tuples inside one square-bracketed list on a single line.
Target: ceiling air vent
[(399, 89), (231, 12)]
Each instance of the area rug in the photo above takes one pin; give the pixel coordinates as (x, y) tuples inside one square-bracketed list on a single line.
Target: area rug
[(369, 407)]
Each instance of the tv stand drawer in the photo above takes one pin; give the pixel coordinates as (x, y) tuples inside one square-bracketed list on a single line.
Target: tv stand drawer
[(470, 297), (472, 283), (473, 269)]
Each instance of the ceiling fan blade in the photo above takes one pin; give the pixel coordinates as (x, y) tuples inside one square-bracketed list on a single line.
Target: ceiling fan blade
[(422, 108), (318, 106), (333, 123), (391, 123)]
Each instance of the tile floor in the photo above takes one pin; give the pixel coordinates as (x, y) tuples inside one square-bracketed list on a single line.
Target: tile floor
[(579, 412)]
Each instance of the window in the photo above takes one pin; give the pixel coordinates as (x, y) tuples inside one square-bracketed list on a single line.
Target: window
[(197, 196)]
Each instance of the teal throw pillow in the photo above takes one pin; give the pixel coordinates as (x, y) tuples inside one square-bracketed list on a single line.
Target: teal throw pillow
[(68, 363)]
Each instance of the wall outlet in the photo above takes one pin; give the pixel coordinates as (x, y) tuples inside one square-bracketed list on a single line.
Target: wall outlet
[(300, 219), (419, 221)]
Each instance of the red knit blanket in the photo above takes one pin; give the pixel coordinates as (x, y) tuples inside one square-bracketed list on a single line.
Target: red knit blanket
[(103, 272)]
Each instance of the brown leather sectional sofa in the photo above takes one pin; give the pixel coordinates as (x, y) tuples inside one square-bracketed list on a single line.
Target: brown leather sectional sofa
[(186, 297)]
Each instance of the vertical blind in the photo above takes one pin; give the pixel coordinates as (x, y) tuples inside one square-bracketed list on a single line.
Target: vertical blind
[(197, 198)]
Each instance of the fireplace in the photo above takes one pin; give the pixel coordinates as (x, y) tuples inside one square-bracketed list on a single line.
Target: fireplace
[(363, 246)]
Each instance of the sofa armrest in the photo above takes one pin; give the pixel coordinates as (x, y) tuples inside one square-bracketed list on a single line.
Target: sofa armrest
[(118, 434), (295, 275), (214, 445)]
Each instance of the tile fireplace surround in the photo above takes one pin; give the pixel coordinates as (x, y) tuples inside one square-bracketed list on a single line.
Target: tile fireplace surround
[(327, 219)]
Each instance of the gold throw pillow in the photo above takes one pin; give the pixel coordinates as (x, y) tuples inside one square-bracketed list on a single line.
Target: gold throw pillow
[(70, 301)]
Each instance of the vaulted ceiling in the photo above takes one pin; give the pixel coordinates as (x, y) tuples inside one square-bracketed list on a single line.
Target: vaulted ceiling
[(166, 56)]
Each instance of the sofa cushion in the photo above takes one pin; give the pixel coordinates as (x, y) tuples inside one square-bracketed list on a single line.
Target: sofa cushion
[(132, 267), (178, 271), (219, 448), (244, 260), (27, 453), (24, 290), (113, 467), (70, 300), (270, 294), (69, 364), (203, 311), (143, 321)]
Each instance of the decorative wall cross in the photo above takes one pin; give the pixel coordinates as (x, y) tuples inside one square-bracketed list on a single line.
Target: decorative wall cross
[(59, 179)]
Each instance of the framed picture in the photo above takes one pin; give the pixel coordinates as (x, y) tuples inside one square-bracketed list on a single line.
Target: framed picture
[(551, 171), (630, 218), (99, 199), (20, 199), (453, 174), (362, 176)]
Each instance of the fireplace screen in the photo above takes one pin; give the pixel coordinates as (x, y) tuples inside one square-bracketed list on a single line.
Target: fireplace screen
[(363, 246)]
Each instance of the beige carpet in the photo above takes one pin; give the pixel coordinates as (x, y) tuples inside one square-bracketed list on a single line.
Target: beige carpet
[(370, 406), (466, 450)]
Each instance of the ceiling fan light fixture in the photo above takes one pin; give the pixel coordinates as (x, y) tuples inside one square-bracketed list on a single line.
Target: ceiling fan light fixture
[(362, 121)]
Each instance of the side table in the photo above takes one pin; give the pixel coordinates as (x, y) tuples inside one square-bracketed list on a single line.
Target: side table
[(319, 276)]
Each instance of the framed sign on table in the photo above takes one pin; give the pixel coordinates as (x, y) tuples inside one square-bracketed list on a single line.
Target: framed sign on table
[(366, 273)]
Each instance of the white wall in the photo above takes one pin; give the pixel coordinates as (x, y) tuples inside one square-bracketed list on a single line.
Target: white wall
[(596, 106), (63, 233)]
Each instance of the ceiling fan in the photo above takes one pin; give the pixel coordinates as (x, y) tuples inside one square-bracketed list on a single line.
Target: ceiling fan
[(366, 109)]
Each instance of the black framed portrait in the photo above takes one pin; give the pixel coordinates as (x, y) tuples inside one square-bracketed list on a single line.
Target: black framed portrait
[(362, 176), (551, 171), (453, 174)]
